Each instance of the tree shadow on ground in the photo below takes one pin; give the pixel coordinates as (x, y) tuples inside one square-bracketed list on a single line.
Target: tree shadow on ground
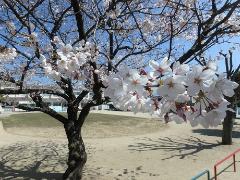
[(32, 161), (216, 132), (175, 147), (38, 160)]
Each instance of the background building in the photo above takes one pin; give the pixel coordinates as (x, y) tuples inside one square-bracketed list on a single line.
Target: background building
[(56, 103)]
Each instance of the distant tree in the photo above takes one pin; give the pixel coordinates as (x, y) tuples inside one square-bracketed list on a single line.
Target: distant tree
[(234, 75), (67, 45)]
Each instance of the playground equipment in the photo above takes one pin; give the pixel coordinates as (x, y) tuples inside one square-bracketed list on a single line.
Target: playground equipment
[(233, 155), (201, 174), (226, 158)]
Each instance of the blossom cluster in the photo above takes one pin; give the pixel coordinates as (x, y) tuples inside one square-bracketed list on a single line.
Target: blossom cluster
[(7, 54), (69, 61), (176, 92)]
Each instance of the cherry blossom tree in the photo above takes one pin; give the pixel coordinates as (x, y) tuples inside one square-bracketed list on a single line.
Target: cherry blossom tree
[(104, 47)]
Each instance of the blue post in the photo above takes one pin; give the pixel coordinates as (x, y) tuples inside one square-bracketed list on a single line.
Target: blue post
[(201, 174)]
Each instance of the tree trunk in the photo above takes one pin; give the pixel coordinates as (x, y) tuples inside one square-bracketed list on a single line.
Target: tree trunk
[(227, 128), (77, 155)]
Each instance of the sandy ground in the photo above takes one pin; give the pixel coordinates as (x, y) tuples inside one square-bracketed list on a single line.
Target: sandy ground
[(178, 152)]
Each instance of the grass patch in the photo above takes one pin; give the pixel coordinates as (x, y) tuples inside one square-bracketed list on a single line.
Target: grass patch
[(96, 125), (44, 120), (30, 120)]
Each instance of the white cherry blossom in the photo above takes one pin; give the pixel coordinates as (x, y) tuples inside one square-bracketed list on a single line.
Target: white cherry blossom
[(198, 79), (136, 81), (172, 87), (117, 87), (222, 87), (212, 65), (180, 69), (160, 69)]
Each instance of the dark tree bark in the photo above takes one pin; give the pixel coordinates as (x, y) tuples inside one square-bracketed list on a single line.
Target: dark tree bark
[(77, 155), (227, 128)]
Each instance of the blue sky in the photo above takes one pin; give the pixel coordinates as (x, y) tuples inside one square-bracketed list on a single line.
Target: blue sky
[(214, 51)]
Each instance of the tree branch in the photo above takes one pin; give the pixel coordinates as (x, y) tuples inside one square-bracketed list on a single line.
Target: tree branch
[(79, 18)]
